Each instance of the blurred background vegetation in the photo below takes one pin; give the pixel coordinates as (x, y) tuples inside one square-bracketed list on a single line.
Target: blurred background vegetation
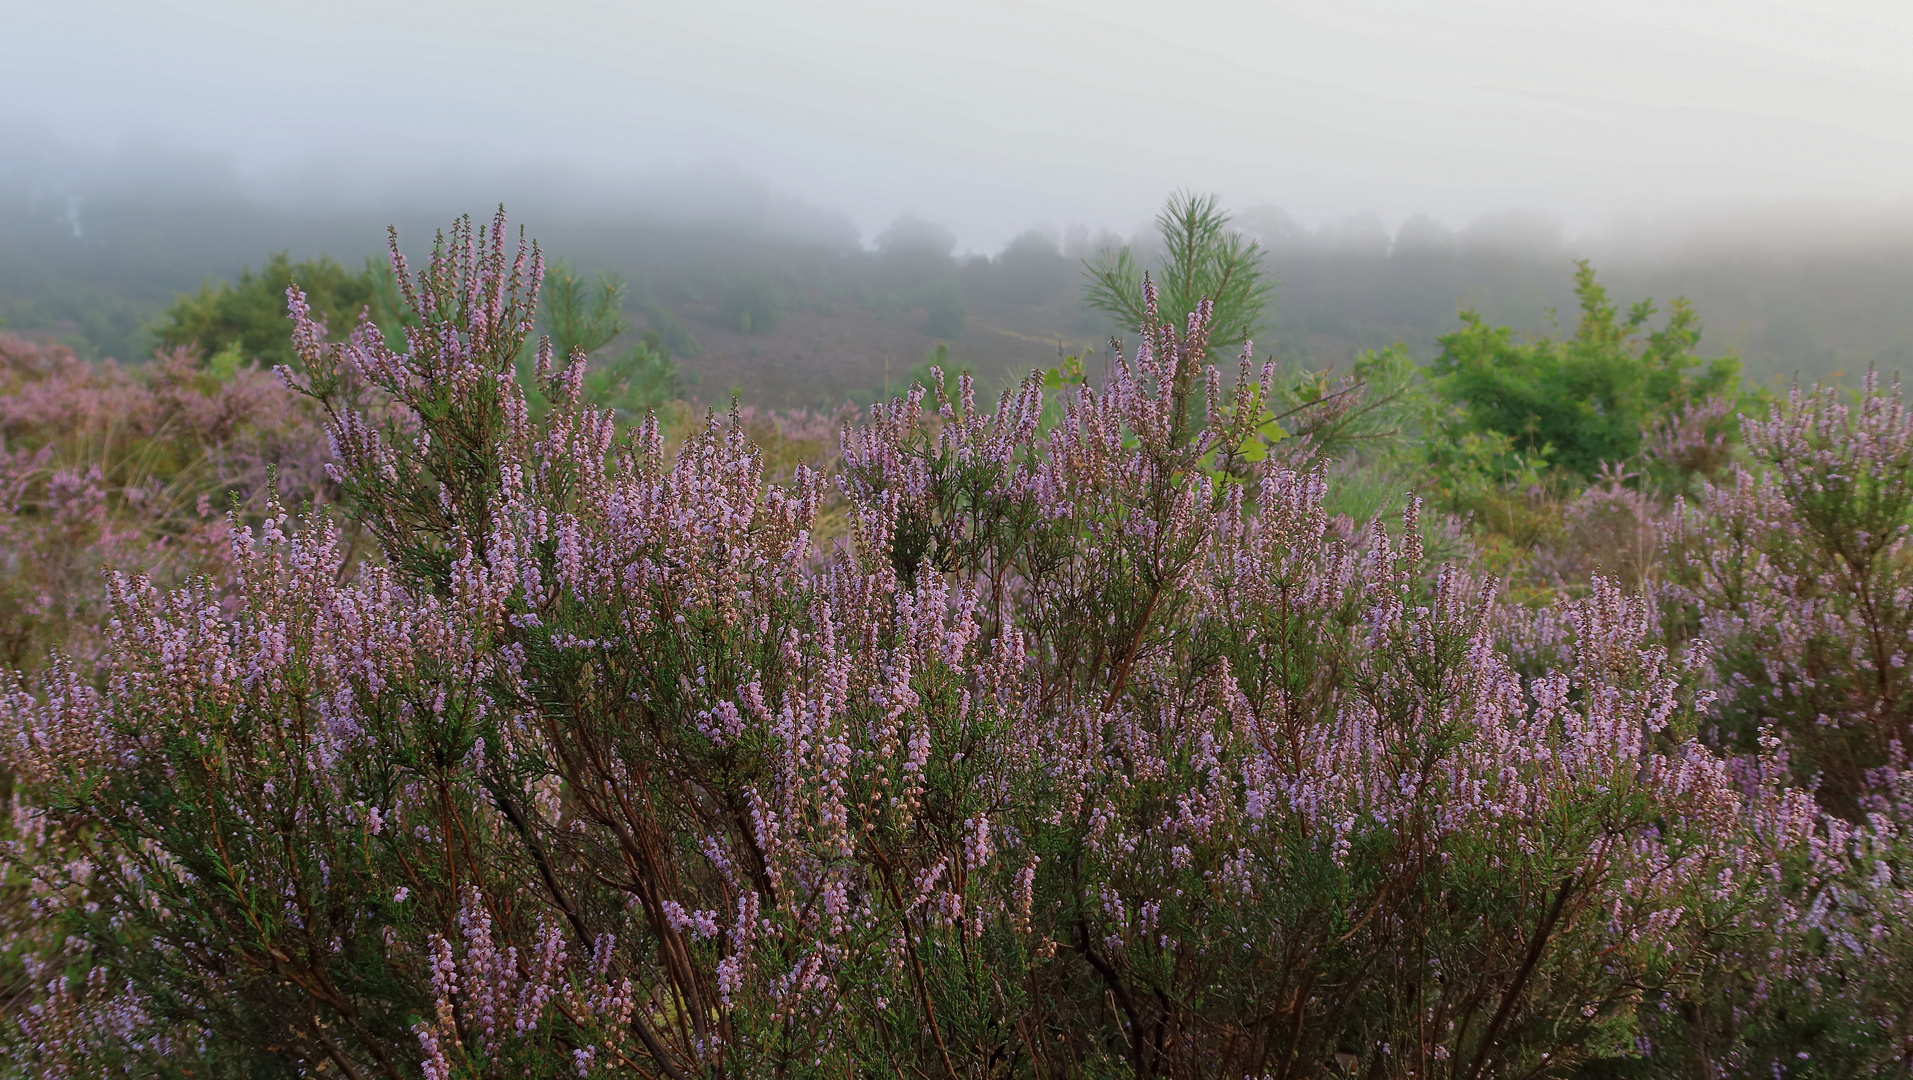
[(1533, 397), (812, 317)]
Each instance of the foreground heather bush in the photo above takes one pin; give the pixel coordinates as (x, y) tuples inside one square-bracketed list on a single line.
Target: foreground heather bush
[(1799, 576), (1800, 571), (1096, 750)]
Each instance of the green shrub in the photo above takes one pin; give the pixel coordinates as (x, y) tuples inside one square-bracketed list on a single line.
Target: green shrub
[(1578, 402), (246, 319)]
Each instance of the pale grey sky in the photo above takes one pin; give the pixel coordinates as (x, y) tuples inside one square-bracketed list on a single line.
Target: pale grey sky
[(991, 115)]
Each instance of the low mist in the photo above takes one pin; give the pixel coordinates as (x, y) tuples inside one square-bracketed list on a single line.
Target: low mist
[(875, 181)]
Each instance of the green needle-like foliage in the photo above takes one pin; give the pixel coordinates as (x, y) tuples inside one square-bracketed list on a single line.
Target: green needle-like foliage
[(1203, 258)]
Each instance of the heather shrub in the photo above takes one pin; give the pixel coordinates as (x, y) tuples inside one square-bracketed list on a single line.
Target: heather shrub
[(1795, 570), (1798, 571), (129, 470), (1685, 448), (1610, 529), (1088, 748), (132, 469)]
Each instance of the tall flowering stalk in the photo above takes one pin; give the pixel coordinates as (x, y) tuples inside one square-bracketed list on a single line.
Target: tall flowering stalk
[(1093, 749)]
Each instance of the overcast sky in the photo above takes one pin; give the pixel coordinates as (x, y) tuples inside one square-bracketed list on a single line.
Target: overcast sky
[(991, 115)]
